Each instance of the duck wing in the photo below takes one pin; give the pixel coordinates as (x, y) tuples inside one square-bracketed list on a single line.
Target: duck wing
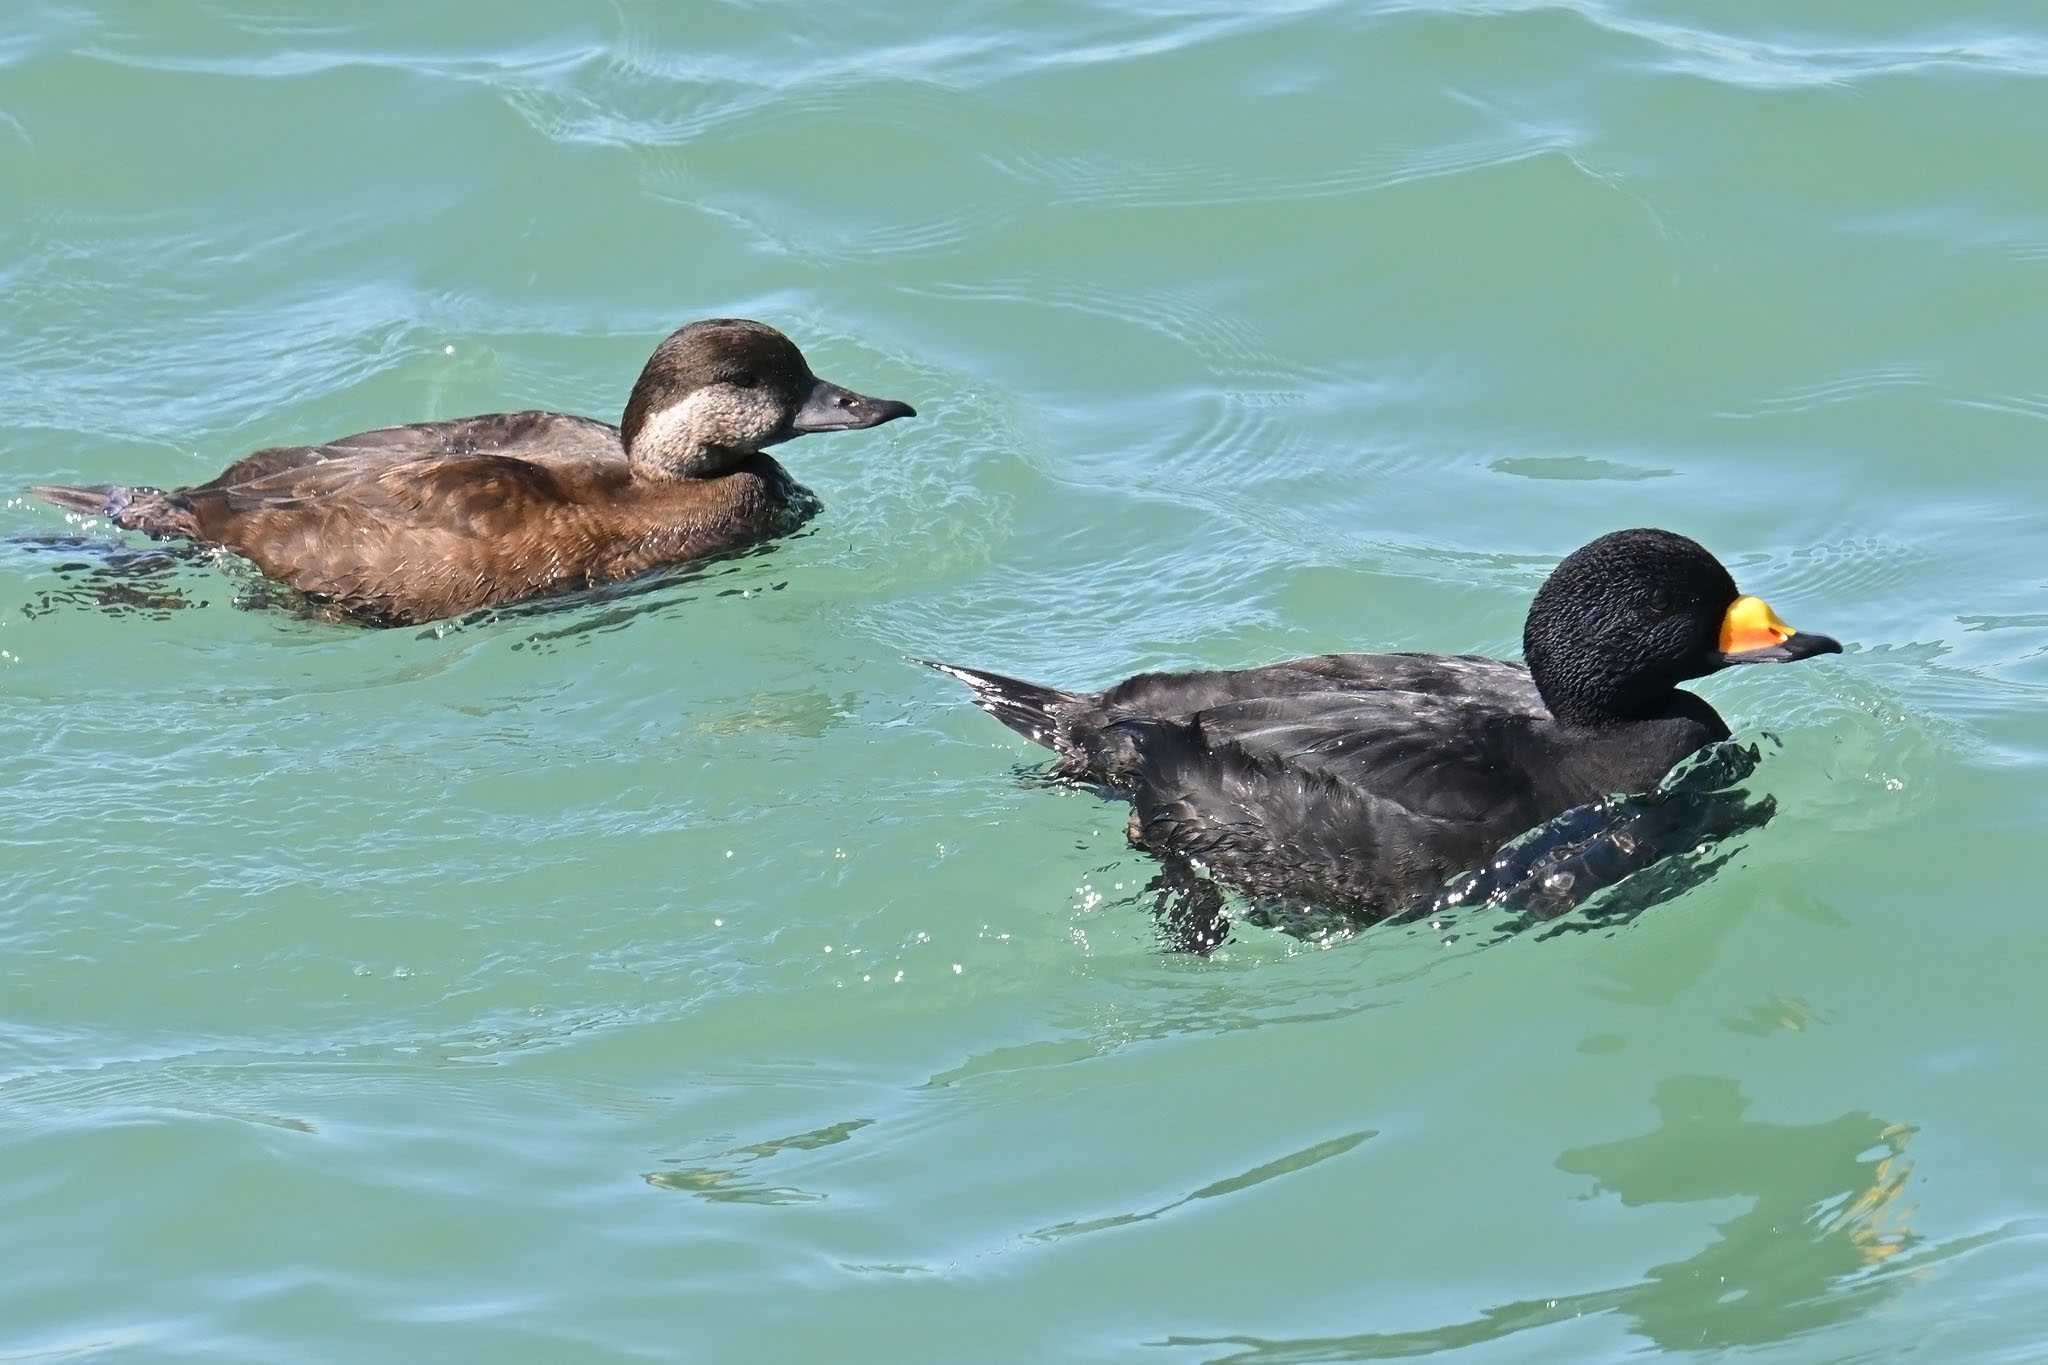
[(539, 437), (1473, 678), (1361, 798), (399, 541), (1077, 725), (467, 495)]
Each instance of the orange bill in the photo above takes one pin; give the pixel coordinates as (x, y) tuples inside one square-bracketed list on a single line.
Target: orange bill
[(1751, 633)]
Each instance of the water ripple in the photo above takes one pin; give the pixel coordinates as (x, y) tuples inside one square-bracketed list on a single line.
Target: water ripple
[(1093, 179)]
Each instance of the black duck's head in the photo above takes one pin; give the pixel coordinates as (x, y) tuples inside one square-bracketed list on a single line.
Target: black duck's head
[(1623, 621), (717, 391)]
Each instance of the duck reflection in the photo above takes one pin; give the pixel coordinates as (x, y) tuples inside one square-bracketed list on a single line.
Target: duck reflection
[(1827, 1208), (725, 1181), (1829, 1203), (111, 580)]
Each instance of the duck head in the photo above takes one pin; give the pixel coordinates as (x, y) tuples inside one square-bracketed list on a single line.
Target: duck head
[(723, 389), (1620, 623)]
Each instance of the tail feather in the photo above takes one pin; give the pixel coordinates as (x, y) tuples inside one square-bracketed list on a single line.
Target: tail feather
[(107, 500), (1032, 710), (150, 510)]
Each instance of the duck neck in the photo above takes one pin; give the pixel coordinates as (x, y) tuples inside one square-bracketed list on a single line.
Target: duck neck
[(670, 461), (669, 445), (1582, 762), (1615, 712)]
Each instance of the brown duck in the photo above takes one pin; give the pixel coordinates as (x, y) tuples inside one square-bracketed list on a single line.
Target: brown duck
[(416, 523)]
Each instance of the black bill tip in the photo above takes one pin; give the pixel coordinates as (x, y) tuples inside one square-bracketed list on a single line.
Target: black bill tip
[(1802, 645)]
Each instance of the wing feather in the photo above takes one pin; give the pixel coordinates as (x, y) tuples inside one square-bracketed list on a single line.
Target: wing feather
[(1346, 778), (537, 437)]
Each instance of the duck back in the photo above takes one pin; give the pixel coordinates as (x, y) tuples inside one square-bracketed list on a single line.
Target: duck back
[(417, 523), (1353, 781)]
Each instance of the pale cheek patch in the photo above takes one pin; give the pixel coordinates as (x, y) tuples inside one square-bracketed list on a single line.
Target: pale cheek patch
[(722, 417)]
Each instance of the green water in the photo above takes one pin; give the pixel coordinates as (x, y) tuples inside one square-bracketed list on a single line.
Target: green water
[(689, 978)]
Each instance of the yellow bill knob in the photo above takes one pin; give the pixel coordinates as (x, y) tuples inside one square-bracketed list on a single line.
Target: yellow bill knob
[(1751, 624)]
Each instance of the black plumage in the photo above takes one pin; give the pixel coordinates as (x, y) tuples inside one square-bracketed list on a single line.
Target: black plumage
[(1362, 782)]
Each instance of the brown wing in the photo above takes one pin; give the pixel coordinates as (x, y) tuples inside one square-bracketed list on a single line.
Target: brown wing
[(537, 437), (407, 540)]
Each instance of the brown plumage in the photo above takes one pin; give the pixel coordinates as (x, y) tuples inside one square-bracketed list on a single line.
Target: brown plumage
[(416, 523)]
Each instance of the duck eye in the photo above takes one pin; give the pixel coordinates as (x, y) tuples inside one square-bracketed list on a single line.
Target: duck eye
[(741, 379), (1660, 599)]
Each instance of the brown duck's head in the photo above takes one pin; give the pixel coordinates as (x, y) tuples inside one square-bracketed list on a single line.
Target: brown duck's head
[(719, 390)]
